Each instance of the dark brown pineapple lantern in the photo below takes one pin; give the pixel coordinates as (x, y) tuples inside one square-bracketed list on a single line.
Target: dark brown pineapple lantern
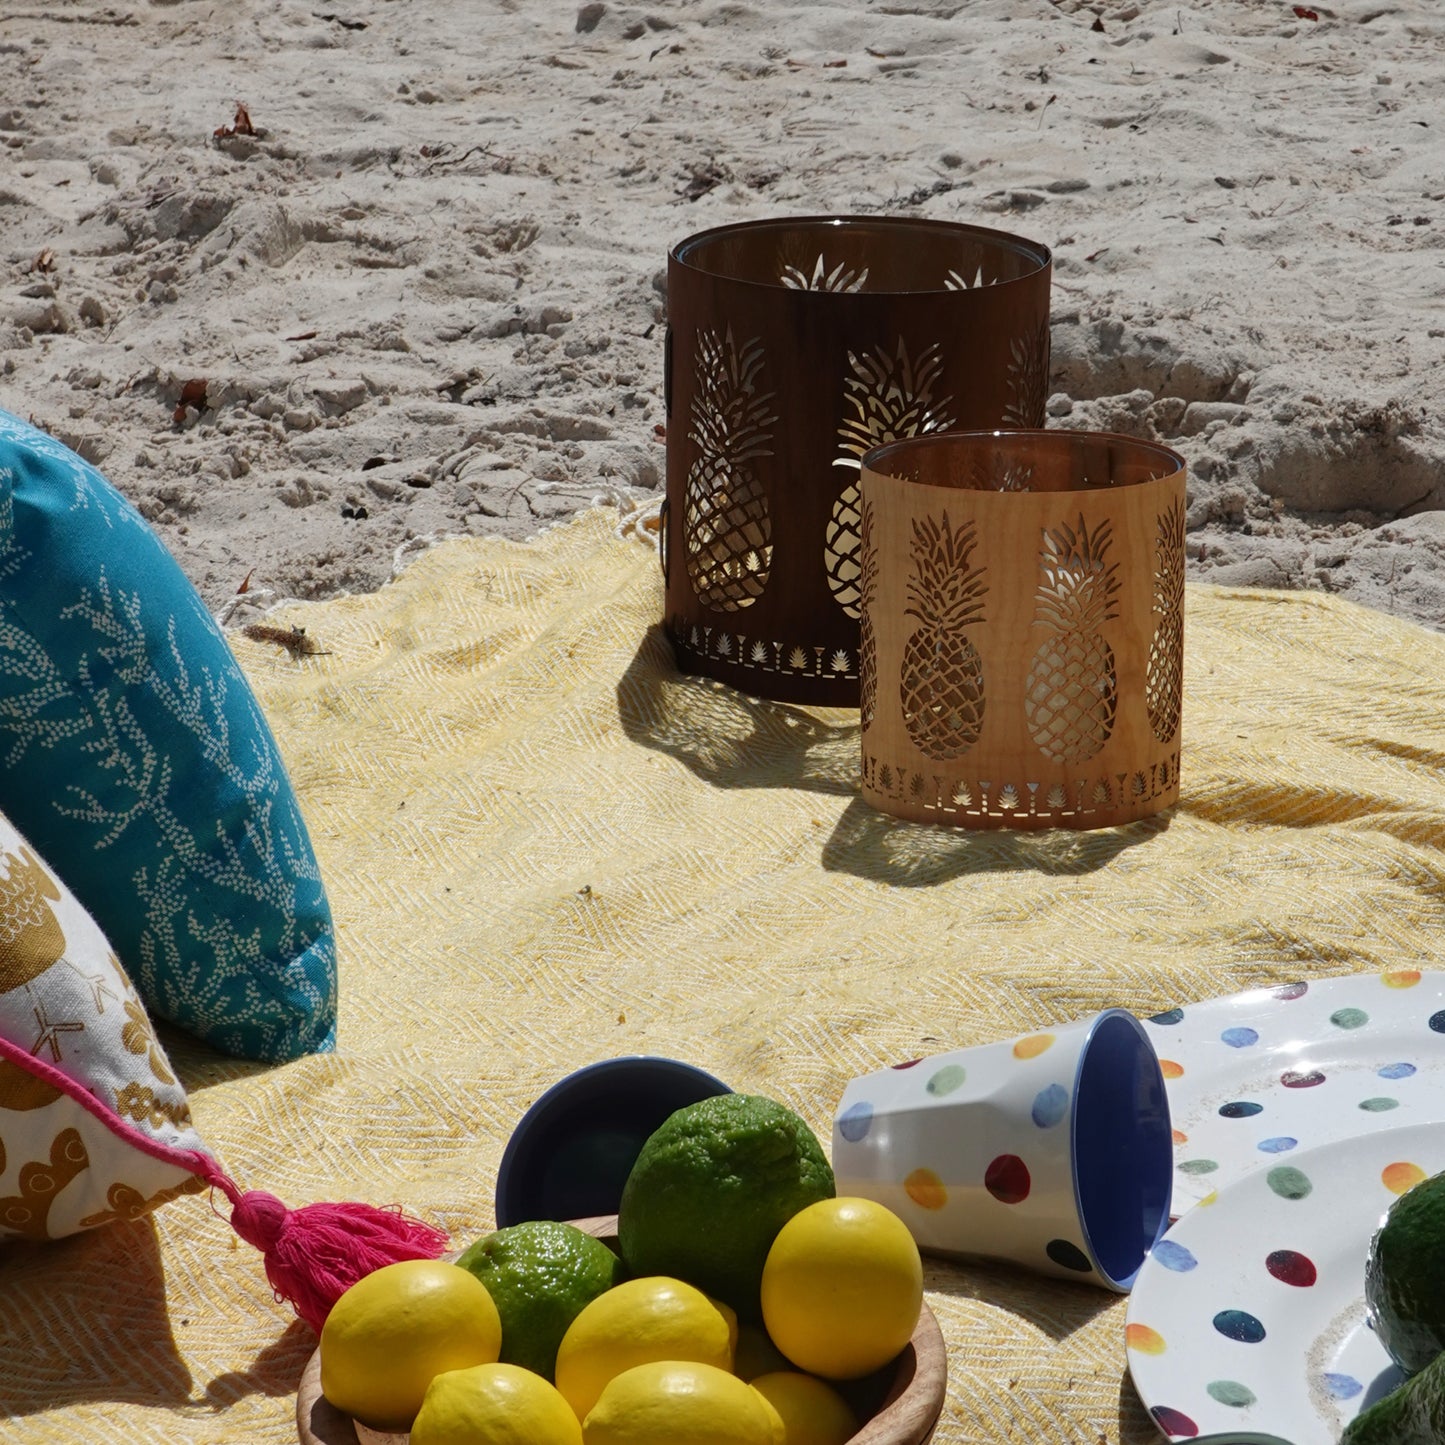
[(793, 348)]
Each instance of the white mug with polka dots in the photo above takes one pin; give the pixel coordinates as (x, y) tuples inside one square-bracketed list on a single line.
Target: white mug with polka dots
[(1052, 1151)]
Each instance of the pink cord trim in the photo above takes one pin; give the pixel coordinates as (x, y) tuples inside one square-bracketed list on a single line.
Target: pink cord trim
[(193, 1161)]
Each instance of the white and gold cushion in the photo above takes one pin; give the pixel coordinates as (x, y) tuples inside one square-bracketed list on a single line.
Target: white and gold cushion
[(94, 1125)]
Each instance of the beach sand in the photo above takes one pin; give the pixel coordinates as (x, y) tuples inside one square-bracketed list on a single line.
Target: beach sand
[(426, 297)]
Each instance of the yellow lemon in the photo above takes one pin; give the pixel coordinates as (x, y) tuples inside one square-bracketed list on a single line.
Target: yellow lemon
[(731, 1316), (397, 1328), (635, 1323), (494, 1405), (679, 1402), (812, 1413), (842, 1288)]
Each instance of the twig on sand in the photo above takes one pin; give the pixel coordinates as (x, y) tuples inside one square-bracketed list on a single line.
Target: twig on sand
[(293, 639)]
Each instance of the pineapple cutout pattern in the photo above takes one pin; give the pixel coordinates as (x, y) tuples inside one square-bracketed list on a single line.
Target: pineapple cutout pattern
[(1027, 376), (1072, 689), (941, 683), (727, 526), (886, 398), (840, 278), (868, 594), (960, 281), (1164, 675), (1002, 474)]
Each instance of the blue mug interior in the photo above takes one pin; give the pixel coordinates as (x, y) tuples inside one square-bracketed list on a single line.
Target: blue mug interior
[(571, 1153), (1123, 1147)]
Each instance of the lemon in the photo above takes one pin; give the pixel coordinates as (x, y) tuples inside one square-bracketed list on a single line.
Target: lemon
[(637, 1323), (395, 1329), (540, 1275), (494, 1405), (842, 1288), (731, 1316), (679, 1402), (712, 1187), (812, 1413)]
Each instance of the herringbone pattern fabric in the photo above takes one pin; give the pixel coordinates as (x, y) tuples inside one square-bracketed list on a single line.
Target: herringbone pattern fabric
[(544, 847)]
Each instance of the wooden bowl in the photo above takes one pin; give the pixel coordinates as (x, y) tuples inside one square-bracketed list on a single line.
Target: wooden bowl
[(908, 1415)]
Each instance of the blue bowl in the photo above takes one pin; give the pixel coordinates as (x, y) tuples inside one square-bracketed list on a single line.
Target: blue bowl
[(570, 1155)]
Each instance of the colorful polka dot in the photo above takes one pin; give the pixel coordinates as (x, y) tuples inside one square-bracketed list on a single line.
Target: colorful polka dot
[(1174, 1422), (1288, 1266), (1143, 1339), (1349, 1018), (1231, 1393), (1179, 1136), (1281, 1144), (925, 1189), (1173, 1256), (1007, 1179), (1170, 1069), (1239, 1038), (1067, 1255), (1239, 1325), (1397, 1071), (1240, 1109), (1169, 1016), (1402, 978), (1437, 1022), (1198, 1166), (1289, 1182), (1294, 1079), (1288, 992), (855, 1121), (1381, 1105), (1341, 1387), (1032, 1046), (1400, 1178), (1050, 1106), (946, 1080)]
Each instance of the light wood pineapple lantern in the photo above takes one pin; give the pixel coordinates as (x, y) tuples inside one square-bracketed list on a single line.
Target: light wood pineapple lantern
[(1022, 628), (794, 347)]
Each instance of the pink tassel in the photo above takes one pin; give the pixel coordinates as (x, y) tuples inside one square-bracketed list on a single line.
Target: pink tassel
[(314, 1254)]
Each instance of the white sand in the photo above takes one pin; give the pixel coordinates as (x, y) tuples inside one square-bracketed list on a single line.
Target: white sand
[(430, 288)]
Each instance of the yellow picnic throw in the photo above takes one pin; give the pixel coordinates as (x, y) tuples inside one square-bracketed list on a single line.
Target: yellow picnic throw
[(544, 846)]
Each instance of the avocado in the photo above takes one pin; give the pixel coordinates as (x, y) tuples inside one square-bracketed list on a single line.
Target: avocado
[(1412, 1415), (1405, 1277)]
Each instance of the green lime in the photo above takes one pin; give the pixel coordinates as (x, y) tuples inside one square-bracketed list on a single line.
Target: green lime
[(756, 1354), (540, 1275), (712, 1188)]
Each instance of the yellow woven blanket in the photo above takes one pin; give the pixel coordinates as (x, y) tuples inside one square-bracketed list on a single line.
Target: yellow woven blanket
[(544, 847)]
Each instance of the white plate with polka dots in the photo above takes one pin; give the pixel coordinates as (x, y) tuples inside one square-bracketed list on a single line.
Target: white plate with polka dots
[(1249, 1314), (1254, 1077)]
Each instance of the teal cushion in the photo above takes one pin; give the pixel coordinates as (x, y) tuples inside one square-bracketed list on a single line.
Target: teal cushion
[(134, 754)]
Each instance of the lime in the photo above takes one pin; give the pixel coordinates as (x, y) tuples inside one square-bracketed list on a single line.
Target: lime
[(812, 1413), (540, 1275), (494, 1405), (755, 1354), (1405, 1277), (641, 1321), (673, 1402), (712, 1188), (395, 1330), (842, 1288)]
